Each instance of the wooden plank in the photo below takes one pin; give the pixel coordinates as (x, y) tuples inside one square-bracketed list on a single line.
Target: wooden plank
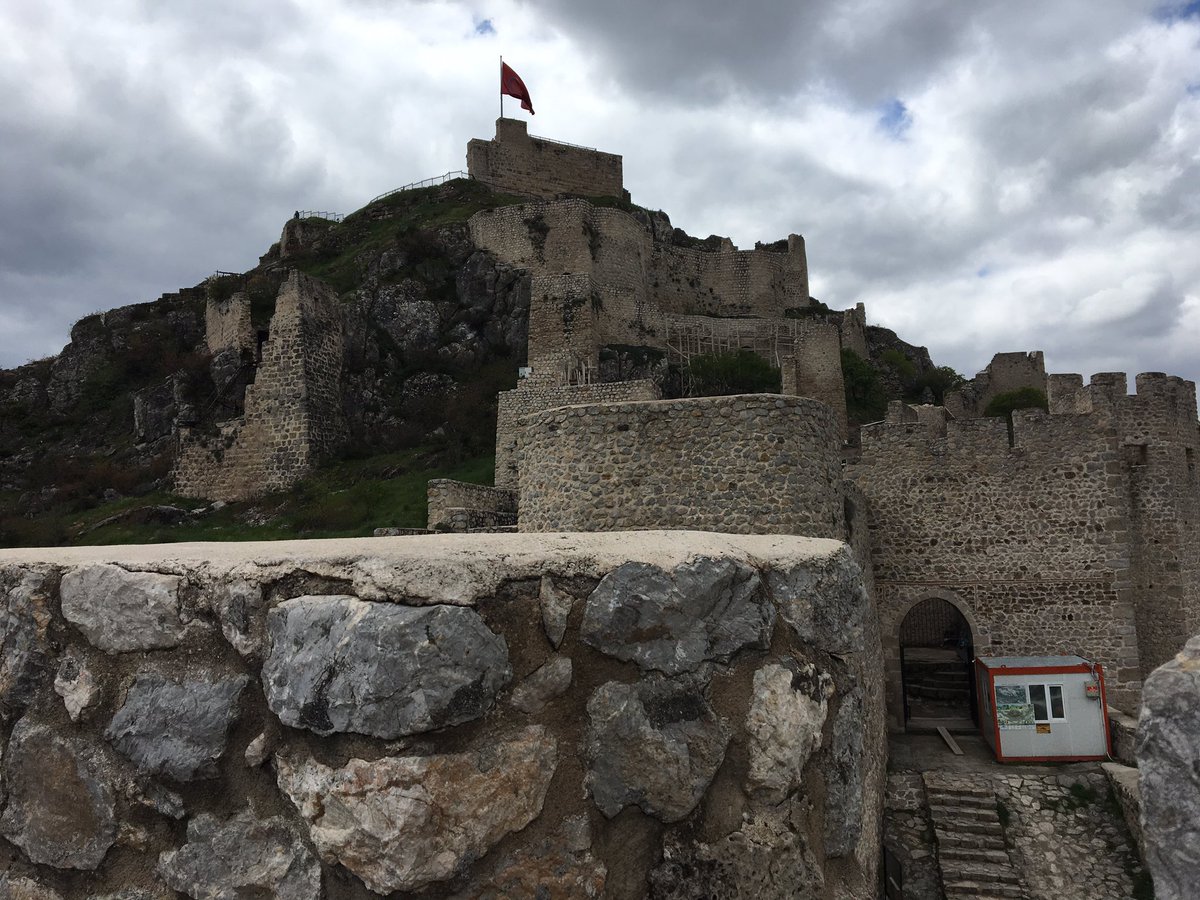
[(950, 742)]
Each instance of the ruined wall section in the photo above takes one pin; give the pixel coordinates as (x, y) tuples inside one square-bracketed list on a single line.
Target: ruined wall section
[(815, 368), (1005, 373), (293, 413), (460, 506), (535, 395), (227, 324), (759, 463), (637, 282), (1030, 540), (518, 163)]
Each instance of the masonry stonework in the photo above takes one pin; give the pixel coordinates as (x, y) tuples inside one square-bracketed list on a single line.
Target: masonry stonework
[(518, 163), (293, 411), (757, 463)]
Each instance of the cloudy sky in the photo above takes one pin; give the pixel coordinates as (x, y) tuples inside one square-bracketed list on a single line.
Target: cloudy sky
[(984, 175)]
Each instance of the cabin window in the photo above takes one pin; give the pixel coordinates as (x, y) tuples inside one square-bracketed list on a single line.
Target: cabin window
[(1047, 700)]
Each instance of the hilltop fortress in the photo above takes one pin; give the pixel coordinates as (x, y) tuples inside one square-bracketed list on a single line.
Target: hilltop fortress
[(1067, 531)]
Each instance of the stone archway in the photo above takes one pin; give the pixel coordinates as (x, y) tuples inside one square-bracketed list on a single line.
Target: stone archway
[(932, 648)]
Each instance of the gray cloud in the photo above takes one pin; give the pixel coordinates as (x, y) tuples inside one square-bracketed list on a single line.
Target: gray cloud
[(1051, 147)]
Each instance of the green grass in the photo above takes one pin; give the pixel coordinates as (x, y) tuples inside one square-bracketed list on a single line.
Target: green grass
[(348, 499)]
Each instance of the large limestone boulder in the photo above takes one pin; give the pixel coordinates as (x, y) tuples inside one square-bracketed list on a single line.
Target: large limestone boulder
[(784, 724), (704, 610), (121, 611), (400, 823), (336, 662), (61, 802), (1168, 753)]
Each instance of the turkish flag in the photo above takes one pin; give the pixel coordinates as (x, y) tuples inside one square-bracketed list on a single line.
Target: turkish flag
[(511, 84)]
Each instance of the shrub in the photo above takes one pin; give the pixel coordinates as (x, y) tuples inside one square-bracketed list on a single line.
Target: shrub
[(865, 398), (740, 372), (1003, 405)]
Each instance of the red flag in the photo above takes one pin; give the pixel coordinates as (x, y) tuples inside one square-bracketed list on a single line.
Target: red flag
[(511, 84)]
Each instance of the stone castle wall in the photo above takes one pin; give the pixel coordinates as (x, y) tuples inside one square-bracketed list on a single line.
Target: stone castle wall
[(293, 410), (759, 463), (460, 506), (257, 719), (227, 324), (1049, 544), (535, 395), (815, 368), (516, 163)]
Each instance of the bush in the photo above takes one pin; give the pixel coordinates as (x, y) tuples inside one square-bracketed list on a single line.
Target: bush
[(940, 382), (1003, 405), (865, 398), (740, 372)]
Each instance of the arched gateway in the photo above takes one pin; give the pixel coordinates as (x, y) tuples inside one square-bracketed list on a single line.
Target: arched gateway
[(937, 647)]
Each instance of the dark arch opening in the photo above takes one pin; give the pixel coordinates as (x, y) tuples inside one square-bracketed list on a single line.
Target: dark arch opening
[(937, 651)]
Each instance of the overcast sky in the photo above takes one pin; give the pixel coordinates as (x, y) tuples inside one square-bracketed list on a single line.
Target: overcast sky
[(985, 176)]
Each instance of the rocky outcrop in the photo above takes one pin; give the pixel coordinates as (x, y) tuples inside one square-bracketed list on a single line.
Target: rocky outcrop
[(1168, 754), (400, 823), (335, 662)]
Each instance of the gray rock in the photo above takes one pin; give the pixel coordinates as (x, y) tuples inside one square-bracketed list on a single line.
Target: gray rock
[(340, 664), (71, 826), (705, 610), (13, 887), (844, 776), (24, 618), (556, 609), (400, 823), (241, 857), (784, 722), (259, 749), (75, 684), (120, 611), (543, 685), (1168, 755), (769, 856), (176, 728), (656, 743), (238, 607), (826, 606)]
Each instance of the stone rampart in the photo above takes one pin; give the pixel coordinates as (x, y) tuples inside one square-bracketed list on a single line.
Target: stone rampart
[(293, 410), (759, 463), (445, 715), (452, 503), (815, 368), (518, 163), (537, 394), (1030, 541)]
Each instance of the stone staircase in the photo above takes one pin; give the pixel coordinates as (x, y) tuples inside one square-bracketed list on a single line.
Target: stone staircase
[(970, 839)]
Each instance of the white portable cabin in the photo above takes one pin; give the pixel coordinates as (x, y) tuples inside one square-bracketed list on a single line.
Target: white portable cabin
[(1042, 708)]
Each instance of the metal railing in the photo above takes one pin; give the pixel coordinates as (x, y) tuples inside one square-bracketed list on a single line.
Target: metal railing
[(427, 182), (536, 137), (314, 214)]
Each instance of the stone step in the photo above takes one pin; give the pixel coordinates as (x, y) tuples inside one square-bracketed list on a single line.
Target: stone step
[(954, 871), (949, 784), (953, 828), (971, 841), (994, 855), (964, 812), (981, 887), (942, 798)]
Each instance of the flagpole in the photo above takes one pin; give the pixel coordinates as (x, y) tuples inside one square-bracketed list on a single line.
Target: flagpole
[(502, 85)]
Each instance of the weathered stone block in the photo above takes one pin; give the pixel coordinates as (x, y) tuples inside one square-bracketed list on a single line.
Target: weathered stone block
[(341, 664), (121, 611)]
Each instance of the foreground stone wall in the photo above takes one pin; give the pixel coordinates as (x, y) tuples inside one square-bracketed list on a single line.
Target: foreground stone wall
[(669, 715), (760, 463), (293, 410)]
